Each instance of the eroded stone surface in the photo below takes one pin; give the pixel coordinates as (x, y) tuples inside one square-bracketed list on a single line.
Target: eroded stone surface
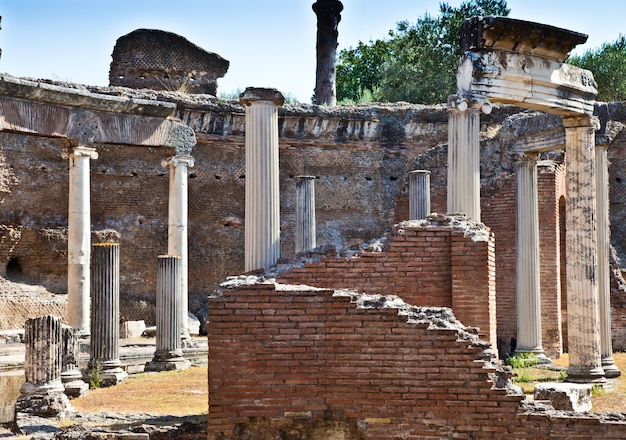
[(565, 396)]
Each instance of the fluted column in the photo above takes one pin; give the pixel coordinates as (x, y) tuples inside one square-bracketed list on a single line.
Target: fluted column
[(262, 222), (464, 154), (581, 251), (419, 194), (105, 316), (70, 374), (527, 257), (305, 213), (177, 234), (169, 353), (43, 356), (79, 238), (604, 282)]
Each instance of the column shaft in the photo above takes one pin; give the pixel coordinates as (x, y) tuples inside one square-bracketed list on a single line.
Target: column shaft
[(463, 160), (527, 257), (79, 238), (581, 251), (262, 218), (604, 282), (105, 317), (70, 373), (177, 233), (43, 355), (419, 194), (305, 213)]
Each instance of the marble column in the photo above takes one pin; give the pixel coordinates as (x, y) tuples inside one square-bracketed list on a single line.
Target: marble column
[(527, 260), (583, 325), (604, 280), (79, 238), (177, 234), (105, 317), (419, 194), (262, 218), (464, 155), (305, 214), (169, 353), (70, 373)]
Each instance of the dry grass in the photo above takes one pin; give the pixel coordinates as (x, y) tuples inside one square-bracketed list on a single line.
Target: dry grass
[(170, 393)]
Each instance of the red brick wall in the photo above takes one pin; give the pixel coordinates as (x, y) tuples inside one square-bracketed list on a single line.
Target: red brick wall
[(425, 266), (290, 359)]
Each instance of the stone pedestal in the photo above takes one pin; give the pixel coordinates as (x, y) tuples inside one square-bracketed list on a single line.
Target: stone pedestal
[(305, 213), (583, 326), (177, 235), (604, 282), (169, 353), (43, 394), (79, 238), (527, 257), (105, 317), (71, 377), (419, 194), (464, 155), (262, 222)]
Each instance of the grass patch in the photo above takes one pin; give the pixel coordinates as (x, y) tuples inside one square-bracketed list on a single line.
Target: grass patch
[(177, 393)]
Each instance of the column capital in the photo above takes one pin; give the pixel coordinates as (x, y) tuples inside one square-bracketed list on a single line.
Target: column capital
[(530, 156), (256, 94), (80, 151), (178, 160), (469, 102), (581, 121)]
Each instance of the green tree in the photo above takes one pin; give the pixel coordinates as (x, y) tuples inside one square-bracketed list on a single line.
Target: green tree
[(417, 63), (608, 65)]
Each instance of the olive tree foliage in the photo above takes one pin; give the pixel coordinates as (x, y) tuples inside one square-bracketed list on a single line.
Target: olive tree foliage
[(608, 65), (417, 63)]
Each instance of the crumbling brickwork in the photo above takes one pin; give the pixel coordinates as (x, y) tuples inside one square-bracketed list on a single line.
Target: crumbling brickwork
[(319, 363)]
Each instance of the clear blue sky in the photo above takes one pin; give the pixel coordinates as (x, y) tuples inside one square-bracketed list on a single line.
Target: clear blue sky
[(269, 43)]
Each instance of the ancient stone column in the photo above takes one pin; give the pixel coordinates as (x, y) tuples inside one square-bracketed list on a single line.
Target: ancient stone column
[(604, 282), (527, 257), (177, 235), (305, 213), (79, 239), (169, 353), (105, 316), (419, 194), (583, 325), (262, 222), (71, 376), (464, 155), (42, 393)]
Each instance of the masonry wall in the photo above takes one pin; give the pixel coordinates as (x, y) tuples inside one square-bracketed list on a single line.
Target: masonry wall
[(295, 362), (442, 262)]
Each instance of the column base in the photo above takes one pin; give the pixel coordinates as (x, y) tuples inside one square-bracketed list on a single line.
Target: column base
[(113, 377), (43, 405), (582, 375), (74, 384), (610, 369), (174, 364)]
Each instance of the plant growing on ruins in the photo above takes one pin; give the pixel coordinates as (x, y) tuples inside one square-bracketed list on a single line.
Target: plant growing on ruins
[(417, 63), (522, 360), (94, 376)]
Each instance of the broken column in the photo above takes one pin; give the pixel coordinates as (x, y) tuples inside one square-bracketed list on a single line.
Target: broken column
[(42, 393), (169, 353), (419, 194), (79, 239), (305, 213), (527, 256), (177, 235), (583, 325), (604, 282), (105, 318), (262, 222), (464, 154), (71, 377)]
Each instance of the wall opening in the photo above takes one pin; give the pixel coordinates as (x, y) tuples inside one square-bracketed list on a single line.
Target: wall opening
[(14, 269)]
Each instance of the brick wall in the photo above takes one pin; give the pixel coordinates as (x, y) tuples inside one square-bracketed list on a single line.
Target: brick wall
[(297, 362), (438, 264)]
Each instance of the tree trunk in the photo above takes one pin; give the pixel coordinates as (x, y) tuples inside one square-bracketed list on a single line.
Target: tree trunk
[(328, 16)]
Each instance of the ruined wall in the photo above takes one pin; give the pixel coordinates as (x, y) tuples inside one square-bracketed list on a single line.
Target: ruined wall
[(315, 363)]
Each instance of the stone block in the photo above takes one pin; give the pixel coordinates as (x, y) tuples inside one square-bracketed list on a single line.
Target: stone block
[(193, 324), (132, 329), (565, 396)]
